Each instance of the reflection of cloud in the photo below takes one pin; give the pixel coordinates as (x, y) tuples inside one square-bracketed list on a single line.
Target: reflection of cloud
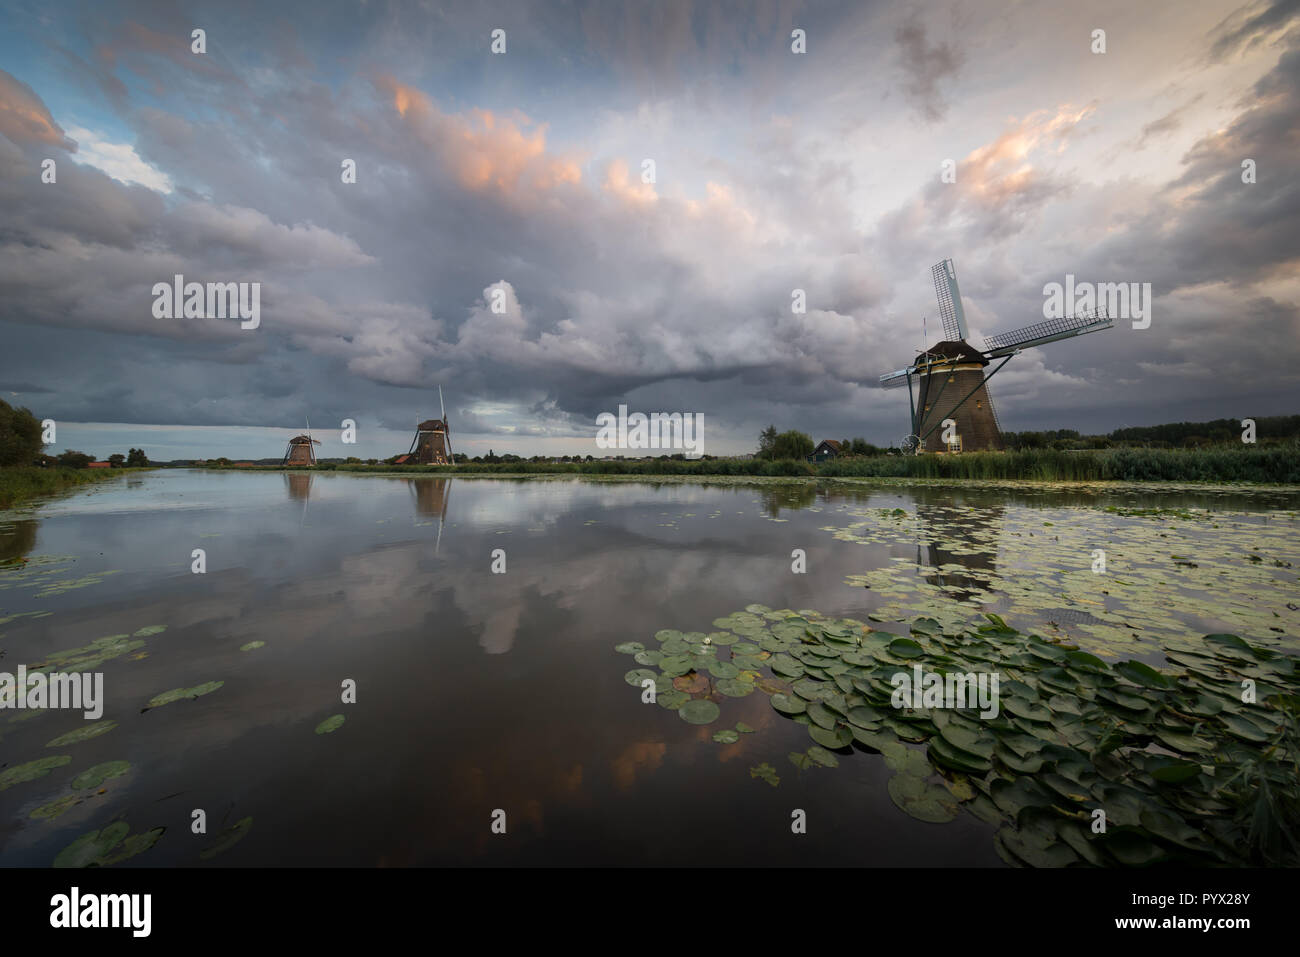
[(639, 756)]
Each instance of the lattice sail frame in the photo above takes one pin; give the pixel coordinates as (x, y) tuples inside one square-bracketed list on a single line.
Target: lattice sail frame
[(949, 297)]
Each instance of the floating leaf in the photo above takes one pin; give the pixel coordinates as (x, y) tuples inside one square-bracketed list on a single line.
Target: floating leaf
[(699, 711), (91, 730), (330, 724), (31, 770), (97, 775)]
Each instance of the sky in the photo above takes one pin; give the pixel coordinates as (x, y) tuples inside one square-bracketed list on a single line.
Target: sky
[(500, 238)]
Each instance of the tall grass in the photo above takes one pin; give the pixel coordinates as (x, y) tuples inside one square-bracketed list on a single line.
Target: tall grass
[(19, 483), (1273, 464)]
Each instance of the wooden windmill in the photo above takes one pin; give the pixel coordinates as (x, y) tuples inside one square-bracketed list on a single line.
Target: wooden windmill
[(951, 377), (300, 449), (432, 442)]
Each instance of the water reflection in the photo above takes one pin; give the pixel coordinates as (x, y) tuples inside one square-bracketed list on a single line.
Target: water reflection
[(430, 495), (970, 539), (506, 685), (299, 485), (17, 539), (775, 498)]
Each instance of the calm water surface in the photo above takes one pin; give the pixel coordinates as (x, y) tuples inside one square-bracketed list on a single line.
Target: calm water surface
[(475, 691)]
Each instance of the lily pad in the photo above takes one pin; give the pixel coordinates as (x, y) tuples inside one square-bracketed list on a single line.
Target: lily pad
[(330, 724), (93, 777), (31, 770), (91, 730), (699, 711)]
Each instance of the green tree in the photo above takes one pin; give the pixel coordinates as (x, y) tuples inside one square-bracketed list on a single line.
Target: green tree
[(117, 460), (135, 458), (20, 435), (792, 445), (766, 442), (70, 458)]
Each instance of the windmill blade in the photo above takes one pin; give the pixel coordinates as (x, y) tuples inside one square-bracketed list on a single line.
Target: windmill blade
[(1041, 333), (949, 296), (891, 379)]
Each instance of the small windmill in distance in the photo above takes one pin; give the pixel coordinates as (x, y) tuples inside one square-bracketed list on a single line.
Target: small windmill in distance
[(952, 383), (432, 442), (300, 450)]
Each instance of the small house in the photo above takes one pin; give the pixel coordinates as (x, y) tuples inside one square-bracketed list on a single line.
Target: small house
[(827, 449)]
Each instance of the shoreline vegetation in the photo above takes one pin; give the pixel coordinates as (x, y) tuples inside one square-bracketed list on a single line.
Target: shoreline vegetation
[(21, 483), (1266, 465)]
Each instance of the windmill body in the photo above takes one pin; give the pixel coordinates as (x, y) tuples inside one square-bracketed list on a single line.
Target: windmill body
[(949, 380), (300, 451), (432, 443)]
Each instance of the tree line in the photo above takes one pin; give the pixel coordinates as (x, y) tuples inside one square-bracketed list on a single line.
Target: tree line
[(20, 444)]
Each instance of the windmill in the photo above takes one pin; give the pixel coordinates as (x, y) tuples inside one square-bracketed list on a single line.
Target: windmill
[(432, 442), (951, 379), (299, 450)]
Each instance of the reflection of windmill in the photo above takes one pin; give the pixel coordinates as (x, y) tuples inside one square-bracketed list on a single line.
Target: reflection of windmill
[(431, 496), (298, 485), (299, 450), (951, 379), (432, 442)]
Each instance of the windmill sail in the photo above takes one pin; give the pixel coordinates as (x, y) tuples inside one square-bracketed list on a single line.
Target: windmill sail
[(949, 296), (1043, 332)]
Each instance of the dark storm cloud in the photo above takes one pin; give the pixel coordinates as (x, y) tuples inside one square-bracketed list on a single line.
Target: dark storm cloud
[(925, 67), (1253, 24)]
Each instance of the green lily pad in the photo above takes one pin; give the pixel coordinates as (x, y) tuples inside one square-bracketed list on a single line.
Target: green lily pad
[(788, 704), (934, 805), (31, 770), (177, 694), (93, 847), (837, 738), (252, 646), (91, 730), (636, 676), (330, 724), (699, 711), (726, 736), (93, 777), (735, 687), (53, 809), (672, 700)]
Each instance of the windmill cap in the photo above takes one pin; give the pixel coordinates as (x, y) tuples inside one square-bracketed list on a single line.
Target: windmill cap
[(952, 349), (431, 425)]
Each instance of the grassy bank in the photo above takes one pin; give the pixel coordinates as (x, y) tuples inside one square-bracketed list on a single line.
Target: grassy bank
[(20, 483), (1270, 465)]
